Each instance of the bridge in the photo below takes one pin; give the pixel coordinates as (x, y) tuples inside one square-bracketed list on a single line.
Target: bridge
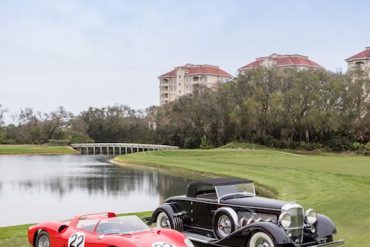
[(117, 148)]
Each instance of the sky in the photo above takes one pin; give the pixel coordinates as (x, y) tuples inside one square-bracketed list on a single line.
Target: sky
[(77, 53)]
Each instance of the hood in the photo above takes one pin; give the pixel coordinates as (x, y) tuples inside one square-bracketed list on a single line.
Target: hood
[(256, 202), (147, 238)]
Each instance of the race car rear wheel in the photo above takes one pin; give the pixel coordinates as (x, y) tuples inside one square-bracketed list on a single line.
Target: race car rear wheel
[(42, 240), (163, 220), (261, 239)]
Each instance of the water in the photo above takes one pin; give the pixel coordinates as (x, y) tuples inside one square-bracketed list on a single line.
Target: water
[(39, 188)]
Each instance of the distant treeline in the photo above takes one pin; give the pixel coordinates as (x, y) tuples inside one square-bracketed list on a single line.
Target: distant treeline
[(306, 109)]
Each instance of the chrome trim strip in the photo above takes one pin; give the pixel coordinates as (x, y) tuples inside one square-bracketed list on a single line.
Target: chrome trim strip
[(222, 204)]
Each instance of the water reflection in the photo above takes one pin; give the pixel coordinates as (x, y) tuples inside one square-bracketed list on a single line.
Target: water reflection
[(36, 188)]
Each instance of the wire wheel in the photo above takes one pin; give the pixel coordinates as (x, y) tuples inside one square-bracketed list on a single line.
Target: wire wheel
[(163, 221), (261, 239), (43, 240)]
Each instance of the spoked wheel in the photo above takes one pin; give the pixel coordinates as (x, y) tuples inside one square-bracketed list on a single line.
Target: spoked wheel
[(43, 240), (223, 225), (261, 239), (163, 221)]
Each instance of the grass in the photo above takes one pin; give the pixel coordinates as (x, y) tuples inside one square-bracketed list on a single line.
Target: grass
[(35, 149), (335, 185), (16, 236)]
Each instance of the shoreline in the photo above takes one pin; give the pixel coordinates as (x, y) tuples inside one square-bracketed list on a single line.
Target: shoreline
[(262, 190), (30, 149)]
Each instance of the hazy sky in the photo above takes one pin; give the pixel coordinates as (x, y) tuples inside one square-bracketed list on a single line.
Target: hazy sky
[(95, 53)]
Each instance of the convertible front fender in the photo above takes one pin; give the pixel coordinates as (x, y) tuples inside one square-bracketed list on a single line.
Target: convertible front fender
[(243, 234), (167, 208), (324, 226)]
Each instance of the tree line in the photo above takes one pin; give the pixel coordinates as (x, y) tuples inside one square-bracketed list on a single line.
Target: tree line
[(307, 109)]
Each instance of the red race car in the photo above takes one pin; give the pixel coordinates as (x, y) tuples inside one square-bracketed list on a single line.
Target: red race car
[(104, 230)]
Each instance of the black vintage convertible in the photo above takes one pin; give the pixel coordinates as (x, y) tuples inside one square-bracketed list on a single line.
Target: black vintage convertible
[(227, 212)]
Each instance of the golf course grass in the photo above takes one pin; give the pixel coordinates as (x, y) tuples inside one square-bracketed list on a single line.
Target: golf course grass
[(335, 185), (16, 236), (36, 149)]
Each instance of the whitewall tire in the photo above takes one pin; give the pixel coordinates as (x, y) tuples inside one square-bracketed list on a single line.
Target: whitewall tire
[(163, 221), (261, 239)]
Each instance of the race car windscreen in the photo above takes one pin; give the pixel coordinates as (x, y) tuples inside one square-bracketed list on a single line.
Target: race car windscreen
[(244, 189), (121, 225)]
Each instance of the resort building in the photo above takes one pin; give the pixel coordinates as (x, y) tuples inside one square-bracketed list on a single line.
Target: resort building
[(294, 61), (360, 61), (185, 79)]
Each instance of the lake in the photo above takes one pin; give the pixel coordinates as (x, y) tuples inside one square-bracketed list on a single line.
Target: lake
[(37, 188)]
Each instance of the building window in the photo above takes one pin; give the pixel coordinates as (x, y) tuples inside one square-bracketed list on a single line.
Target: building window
[(359, 65), (195, 78)]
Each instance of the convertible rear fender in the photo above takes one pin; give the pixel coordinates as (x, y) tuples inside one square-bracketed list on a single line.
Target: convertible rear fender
[(245, 233), (324, 226)]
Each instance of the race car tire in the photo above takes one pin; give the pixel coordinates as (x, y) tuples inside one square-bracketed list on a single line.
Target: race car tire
[(261, 239), (42, 240), (163, 221), (223, 223)]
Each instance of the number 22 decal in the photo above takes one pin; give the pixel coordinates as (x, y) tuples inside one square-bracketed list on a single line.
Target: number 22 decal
[(77, 240)]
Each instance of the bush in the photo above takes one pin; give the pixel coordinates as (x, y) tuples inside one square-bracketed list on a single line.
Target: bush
[(204, 144), (340, 144), (367, 149), (58, 142), (191, 142)]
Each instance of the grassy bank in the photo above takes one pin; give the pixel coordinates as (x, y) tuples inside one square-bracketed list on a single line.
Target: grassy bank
[(36, 149), (16, 236), (335, 185)]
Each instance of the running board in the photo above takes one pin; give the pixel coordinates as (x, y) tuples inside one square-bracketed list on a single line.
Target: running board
[(199, 238)]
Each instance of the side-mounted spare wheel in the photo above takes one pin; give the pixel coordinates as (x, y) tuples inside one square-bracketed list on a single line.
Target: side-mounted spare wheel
[(42, 240), (261, 239), (225, 221)]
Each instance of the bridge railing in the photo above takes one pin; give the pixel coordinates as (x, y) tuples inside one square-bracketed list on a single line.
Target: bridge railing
[(117, 148)]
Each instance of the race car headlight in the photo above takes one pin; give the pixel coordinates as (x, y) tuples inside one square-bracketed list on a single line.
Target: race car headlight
[(188, 243), (311, 216), (285, 220)]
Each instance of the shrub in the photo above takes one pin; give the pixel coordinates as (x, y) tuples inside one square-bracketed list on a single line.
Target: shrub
[(340, 144), (191, 142), (204, 144)]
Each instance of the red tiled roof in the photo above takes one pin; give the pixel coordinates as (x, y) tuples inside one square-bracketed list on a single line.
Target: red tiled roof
[(203, 69), (283, 61), (362, 55)]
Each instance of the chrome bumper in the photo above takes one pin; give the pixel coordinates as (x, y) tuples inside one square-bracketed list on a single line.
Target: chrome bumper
[(330, 244)]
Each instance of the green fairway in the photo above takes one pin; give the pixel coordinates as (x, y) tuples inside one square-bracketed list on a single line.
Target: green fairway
[(35, 149), (335, 185), (16, 236)]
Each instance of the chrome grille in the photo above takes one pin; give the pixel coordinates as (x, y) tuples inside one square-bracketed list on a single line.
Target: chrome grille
[(296, 213)]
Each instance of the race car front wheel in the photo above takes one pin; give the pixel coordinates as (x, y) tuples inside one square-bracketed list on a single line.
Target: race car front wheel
[(42, 239), (261, 239), (163, 221)]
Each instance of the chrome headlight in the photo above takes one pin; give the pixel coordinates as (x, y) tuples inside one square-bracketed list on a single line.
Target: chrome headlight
[(311, 216), (188, 243), (285, 220)]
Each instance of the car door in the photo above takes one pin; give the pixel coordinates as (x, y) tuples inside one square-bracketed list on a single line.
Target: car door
[(204, 206)]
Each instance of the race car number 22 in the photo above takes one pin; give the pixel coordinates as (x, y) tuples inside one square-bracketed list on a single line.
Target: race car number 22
[(76, 240)]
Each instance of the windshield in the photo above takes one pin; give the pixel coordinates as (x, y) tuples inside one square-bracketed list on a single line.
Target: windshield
[(121, 225), (245, 189)]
